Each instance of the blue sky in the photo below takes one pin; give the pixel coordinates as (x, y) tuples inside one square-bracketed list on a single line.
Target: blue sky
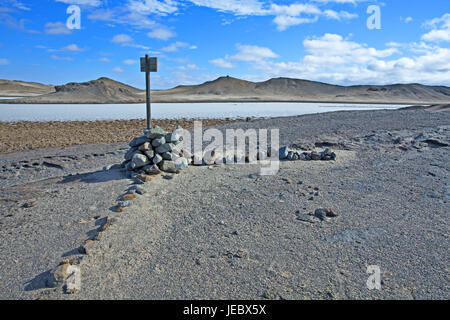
[(200, 40)]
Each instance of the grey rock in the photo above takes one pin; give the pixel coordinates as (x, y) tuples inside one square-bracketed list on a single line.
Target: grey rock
[(168, 166), (315, 156), (173, 137), (321, 214), (150, 154), (145, 146), (140, 190), (130, 153), (154, 133), (283, 152), (296, 156), (181, 163), (327, 155), (151, 169), (307, 218), (138, 141), (157, 159), (140, 160), (164, 148), (325, 214), (158, 141), (168, 156), (131, 166), (290, 156), (60, 274)]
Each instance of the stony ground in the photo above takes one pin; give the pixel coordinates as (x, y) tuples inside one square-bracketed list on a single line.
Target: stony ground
[(224, 232)]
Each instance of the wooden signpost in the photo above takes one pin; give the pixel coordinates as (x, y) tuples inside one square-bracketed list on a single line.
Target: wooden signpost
[(148, 65)]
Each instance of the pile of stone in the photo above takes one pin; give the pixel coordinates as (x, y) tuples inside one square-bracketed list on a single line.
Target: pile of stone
[(293, 155), (156, 151)]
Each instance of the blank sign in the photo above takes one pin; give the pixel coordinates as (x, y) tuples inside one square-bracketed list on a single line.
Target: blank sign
[(152, 65)]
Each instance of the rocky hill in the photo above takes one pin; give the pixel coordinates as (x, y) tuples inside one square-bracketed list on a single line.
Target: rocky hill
[(14, 88), (228, 89)]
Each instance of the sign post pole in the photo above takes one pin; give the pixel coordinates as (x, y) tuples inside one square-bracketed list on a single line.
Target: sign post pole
[(148, 65), (147, 88)]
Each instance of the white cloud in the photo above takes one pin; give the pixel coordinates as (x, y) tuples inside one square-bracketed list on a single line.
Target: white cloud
[(92, 3), (190, 66), (174, 46), (118, 70), (408, 19), (104, 59), (221, 63), (253, 53), (238, 7), (285, 16), (284, 22), (126, 41), (122, 38), (56, 28), (4, 62), (161, 34), (335, 59), (441, 29), (246, 53), (59, 58), (437, 36), (144, 7), (130, 61), (15, 4), (73, 47)]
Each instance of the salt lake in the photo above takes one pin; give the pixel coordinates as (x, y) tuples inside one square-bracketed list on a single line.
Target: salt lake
[(91, 112)]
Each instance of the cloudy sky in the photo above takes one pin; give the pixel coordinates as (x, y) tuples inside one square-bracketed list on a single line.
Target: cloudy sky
[(200, 40)]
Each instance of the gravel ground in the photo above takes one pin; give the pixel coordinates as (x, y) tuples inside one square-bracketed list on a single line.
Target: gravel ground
[(31, 135), (223, 232)]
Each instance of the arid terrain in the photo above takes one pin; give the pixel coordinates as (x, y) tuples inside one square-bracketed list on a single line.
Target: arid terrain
[(228, 89), (226, 232), (29, 135)]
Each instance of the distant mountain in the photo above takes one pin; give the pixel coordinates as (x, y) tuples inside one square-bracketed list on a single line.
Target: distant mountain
[(102, 90), (228, 89), (16, 88), (290, 90)]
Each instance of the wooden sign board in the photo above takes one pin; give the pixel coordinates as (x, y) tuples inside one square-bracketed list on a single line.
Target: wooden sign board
[(152, 65)]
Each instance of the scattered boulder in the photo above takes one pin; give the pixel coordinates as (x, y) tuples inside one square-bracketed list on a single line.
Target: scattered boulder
[(325, 214), (128, 196), (60, 274), (283, 152)]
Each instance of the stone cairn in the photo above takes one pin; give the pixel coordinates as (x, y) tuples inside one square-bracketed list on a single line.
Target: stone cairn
[(156, 151), (159, 151)]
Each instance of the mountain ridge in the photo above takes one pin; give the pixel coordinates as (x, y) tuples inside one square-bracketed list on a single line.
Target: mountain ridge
[(230, 89)]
